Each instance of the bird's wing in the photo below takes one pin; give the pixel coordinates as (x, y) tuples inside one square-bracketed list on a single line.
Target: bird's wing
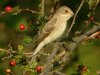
[(50, 26), (47, 29)]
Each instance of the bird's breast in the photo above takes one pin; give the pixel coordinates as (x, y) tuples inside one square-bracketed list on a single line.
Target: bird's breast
[(59, 29)]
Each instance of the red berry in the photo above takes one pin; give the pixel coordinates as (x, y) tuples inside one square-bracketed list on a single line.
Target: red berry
[(22, 27), (39, 68), (13, 62), (91, 18), (8, 9), (84, 68)]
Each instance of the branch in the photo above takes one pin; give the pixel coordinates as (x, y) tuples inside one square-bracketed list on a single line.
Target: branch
[(78, 39), (19, 11), (93, 36), (49, 65)]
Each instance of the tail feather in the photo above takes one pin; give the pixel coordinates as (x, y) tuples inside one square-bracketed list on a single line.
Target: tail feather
[(41, 45), (38, 48)]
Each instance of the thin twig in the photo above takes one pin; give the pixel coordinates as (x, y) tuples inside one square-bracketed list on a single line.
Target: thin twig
[(74, 19), (32, 11), (2, 13), (97, 23), (93, 36), (79, 39), (21, 10), (42, 7)]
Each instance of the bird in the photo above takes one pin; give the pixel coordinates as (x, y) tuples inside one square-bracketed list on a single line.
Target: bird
[(54, 28)]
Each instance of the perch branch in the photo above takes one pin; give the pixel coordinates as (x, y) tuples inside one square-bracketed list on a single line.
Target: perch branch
[(49, 65)]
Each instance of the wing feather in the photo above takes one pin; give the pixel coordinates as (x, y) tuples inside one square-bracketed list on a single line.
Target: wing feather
[(47, 29)]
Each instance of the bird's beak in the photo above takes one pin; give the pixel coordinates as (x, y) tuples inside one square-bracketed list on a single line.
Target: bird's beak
[(71, 13)]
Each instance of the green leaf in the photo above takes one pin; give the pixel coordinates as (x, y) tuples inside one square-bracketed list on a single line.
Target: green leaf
[(16, 10), (34, 64), (2, 52), (91, 14), (20, 47), (27, 39), (93, 3)]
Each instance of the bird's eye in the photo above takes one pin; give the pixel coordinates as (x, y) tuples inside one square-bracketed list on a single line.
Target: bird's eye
[(66, 11)]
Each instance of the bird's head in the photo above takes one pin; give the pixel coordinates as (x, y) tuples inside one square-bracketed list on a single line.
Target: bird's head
[(65, 11)]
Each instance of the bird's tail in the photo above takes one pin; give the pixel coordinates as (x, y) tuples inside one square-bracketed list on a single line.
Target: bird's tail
[(38, 48), (41, 45)]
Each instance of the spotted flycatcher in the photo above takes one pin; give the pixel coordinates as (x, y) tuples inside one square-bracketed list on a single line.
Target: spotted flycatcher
[(55, 27)]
